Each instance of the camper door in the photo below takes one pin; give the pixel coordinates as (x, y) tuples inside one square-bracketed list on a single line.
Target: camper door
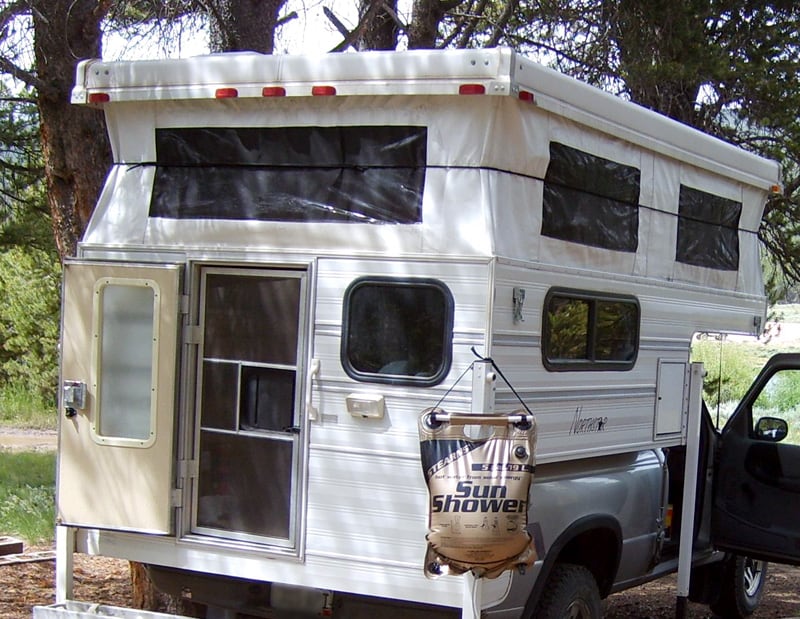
[(757, 484), (119, 339), (250, 426)]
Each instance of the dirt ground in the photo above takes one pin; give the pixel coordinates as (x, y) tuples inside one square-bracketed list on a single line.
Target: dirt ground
[(107, 581)]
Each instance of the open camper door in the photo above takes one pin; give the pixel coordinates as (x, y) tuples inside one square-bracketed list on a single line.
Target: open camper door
[(119, 338), (757, 488)]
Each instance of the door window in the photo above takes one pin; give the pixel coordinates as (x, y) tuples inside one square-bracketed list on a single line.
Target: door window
[(126, 347), (776, 410)]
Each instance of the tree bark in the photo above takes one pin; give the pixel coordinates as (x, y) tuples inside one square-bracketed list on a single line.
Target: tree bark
[(244, 25), (379, 30), (74, 142), (424, 27)]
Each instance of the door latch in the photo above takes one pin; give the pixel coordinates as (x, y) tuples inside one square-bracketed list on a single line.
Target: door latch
[(73, 397)]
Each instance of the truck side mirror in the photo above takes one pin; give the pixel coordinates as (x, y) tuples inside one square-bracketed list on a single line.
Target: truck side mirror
[(771, 429)]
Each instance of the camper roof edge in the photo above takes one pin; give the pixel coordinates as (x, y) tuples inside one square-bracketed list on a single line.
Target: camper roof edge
[(495, 71)]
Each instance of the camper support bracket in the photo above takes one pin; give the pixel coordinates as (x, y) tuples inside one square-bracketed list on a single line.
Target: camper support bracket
[(689, 488), (65, 547), (483, 386), (472, 602)]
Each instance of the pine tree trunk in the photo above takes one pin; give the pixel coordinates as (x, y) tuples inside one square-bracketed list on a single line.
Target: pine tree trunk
[(74, 143), (243, 25)]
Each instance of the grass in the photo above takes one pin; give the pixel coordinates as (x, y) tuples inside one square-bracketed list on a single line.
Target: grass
[(27, 482), (21, 409)]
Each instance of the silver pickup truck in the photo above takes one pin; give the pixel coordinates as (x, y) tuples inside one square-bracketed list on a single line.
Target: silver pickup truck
[(608, 524)]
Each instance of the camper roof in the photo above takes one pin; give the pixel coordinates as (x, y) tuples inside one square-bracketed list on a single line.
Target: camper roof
[(493, 72)]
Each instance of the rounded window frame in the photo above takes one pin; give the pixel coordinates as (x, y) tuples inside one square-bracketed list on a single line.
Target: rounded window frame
[(398, 379)]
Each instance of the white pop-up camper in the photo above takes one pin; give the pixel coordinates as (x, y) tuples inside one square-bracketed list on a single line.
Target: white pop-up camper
[(293, 257)]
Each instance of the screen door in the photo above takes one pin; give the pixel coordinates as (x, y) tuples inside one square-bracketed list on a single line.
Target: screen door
[(248, 406)]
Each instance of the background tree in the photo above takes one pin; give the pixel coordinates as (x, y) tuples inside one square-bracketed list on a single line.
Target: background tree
[(74, 144), (242, 25)]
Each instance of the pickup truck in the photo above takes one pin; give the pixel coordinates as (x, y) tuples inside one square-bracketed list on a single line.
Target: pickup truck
[(618, 518)]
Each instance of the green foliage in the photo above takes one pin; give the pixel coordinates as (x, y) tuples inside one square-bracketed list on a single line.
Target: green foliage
[(782, 394), (739, 365), (22, 408), (27, 482), (24, 217), (29, 315)]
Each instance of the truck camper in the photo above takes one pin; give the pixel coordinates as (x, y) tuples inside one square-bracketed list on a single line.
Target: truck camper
[(302, 267)]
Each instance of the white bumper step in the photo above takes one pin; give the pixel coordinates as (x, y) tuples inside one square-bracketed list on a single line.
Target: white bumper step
[(85, 610)]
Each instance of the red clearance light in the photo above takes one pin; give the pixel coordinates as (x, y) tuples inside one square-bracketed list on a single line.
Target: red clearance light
[(472, 89), (273, 91), (524, 95), (226, 93), (99, 97), (323, 91)]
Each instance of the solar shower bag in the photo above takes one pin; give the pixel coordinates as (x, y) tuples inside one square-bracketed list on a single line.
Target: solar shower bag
[(478, 469)]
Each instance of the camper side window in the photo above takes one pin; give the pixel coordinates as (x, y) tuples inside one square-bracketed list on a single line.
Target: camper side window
[(589, 331), (348, 174), (590, 200), (397, 331), (708, 230)]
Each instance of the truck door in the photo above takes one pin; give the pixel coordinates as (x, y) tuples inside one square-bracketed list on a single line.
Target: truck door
[(117, 408), (249, 405), (757, 485)]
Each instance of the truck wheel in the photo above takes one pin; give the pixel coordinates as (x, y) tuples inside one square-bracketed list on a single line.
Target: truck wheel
[(570, 593), (742, 585)]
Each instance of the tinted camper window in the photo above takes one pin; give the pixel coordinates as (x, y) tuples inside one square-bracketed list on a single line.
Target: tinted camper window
[(589, 331), (361, 174), (397, 331), (708, 230), (590, 200)]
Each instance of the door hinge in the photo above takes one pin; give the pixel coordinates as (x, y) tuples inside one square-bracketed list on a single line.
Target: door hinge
[(184, 303), (187, 469), (191, 334), (177, 497)]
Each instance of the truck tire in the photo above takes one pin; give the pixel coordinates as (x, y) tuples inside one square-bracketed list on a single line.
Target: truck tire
[(570, 593), (741, 588)]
